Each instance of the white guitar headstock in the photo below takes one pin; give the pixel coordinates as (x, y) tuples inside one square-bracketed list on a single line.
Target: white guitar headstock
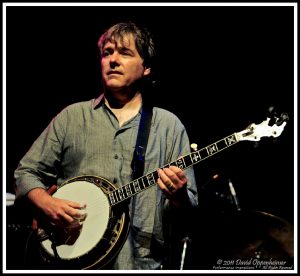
[(265, 129)]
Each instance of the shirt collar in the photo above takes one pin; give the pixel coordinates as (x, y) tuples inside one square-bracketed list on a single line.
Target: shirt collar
[(98, 101)]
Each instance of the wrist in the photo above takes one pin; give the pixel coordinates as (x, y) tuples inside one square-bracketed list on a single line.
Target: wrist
[(37, 196)]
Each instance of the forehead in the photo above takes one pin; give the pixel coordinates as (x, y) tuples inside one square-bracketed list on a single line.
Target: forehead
[(124, 41)]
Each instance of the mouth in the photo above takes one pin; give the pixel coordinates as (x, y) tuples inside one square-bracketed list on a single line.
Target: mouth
[(114, 73)]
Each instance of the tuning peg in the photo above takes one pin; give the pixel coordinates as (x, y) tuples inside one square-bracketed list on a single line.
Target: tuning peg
[(194, 147), (271, 110), (283, 118), (272, 115)]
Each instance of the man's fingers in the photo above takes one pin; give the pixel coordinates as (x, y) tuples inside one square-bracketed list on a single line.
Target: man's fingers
[(172, 174), (76, 205), (163, 187)]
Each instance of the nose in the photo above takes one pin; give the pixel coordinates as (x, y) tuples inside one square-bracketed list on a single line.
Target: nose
[(114, 59)]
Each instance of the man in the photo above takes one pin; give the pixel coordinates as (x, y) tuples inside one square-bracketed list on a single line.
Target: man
[(98, 137)]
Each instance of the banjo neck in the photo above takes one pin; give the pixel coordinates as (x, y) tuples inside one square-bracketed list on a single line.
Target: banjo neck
[(140, 184)]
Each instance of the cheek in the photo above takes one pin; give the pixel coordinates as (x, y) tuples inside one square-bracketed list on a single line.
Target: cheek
[(103, 67), (137, 70), (103, 63)]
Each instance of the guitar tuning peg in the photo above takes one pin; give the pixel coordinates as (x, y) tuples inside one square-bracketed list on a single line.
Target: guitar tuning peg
[(194, 147)]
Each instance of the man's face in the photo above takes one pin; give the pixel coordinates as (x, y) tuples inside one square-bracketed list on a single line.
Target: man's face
[(121, 64)]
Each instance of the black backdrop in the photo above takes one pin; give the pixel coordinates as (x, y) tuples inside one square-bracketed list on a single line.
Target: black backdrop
[(219, 69)]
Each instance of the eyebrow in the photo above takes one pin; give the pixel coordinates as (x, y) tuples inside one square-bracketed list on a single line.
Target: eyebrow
[(122, 48)]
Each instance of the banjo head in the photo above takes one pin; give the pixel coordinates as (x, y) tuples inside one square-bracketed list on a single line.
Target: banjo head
[(98, 238)]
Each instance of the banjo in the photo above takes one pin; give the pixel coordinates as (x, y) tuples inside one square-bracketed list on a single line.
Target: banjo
[(98, 238)]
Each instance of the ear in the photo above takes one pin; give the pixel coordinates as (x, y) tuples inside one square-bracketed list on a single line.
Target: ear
[(147, 71)]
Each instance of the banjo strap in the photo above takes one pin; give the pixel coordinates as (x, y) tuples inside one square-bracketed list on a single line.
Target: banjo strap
[(139, 153)]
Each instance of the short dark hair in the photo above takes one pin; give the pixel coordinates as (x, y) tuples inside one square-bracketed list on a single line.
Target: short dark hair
[(142, 37)]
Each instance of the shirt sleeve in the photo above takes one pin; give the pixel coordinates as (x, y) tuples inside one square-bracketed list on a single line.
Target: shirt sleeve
[(40, 165)]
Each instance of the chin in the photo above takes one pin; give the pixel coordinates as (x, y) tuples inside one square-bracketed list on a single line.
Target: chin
[(113, 85), (114, 88)]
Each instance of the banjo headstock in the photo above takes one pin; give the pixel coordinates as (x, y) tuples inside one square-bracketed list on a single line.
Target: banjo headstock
[(271, 127)]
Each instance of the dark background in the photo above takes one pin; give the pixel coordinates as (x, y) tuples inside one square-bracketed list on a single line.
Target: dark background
[(219, 69)]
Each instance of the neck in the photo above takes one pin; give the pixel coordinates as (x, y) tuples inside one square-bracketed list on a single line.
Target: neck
[(120, 101), (124, 107)]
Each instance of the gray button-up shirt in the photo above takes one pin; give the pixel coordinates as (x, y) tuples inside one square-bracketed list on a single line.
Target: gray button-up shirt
[(85, 138)]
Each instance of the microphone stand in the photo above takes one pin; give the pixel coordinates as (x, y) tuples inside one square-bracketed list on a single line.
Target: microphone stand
[(185, 240), (233, 194)]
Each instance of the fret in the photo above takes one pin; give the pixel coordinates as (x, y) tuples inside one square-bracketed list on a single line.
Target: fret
[(195, 157), (136, 186), (230, 140), (222, 144), (167, 166), (146, 181), (143, 183), (121, 194), (115, 192), (151, 179), (172, 164), (132, 188), (112, 198), (155, 175), (212, 149), (180, 163), (203, 153), (187, 161), (128, 190)]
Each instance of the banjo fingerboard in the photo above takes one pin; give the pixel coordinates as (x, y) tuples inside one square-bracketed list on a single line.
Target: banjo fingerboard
[(149, 180)]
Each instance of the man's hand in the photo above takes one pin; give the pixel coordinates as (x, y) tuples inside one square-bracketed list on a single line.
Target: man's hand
[(173, 182), (60, 212)]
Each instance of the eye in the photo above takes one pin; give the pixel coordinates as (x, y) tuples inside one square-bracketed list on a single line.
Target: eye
[(125, 52), (106, 52)]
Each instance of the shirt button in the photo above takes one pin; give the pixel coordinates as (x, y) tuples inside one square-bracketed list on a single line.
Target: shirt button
[(116, 156), (115, 180)]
